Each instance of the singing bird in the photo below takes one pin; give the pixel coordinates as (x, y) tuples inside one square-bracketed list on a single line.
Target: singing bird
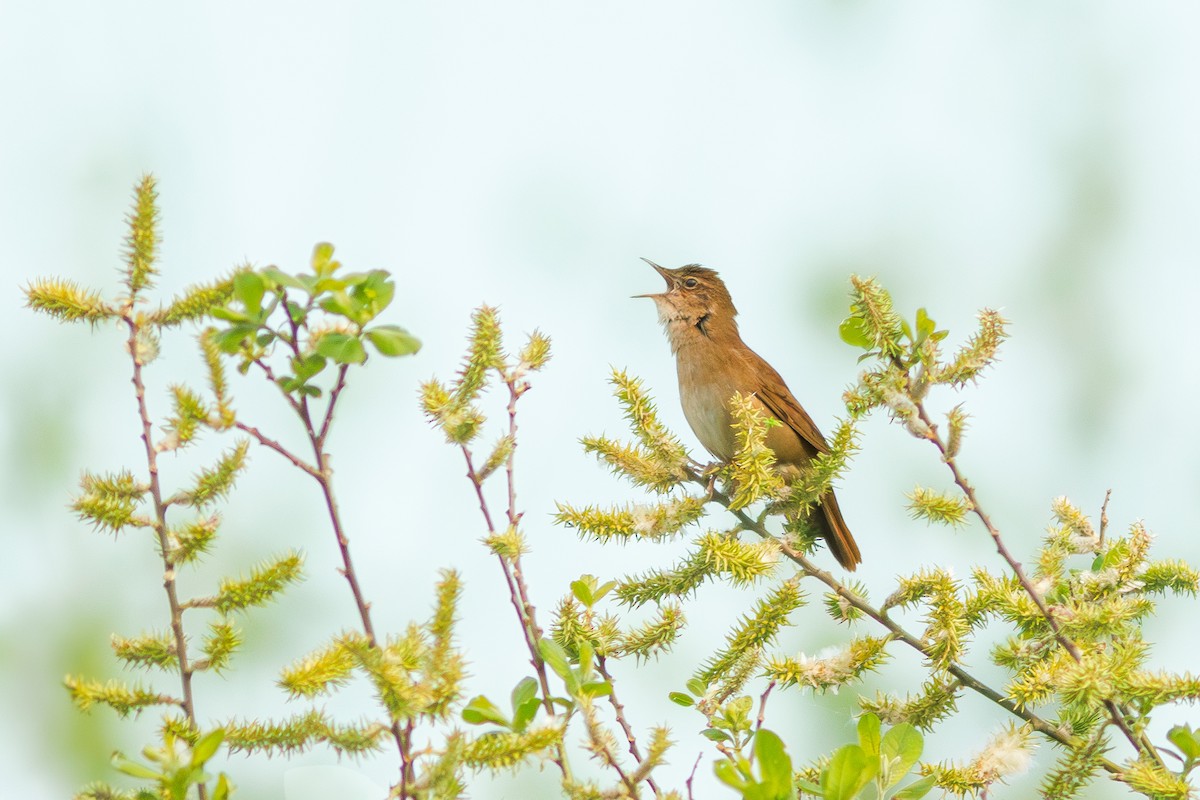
[(714, 364)]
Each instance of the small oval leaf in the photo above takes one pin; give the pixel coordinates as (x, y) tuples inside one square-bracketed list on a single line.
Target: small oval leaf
[(392, 340), (342, 348), (681, 699)]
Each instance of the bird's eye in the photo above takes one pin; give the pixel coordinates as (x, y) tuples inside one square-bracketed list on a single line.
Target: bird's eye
[(691, 283)]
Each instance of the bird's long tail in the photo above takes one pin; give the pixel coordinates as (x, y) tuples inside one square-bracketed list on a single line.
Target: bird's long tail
[(828, 519)]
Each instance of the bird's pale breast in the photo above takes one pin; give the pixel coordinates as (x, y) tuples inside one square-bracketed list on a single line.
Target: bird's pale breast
[(706, 384)]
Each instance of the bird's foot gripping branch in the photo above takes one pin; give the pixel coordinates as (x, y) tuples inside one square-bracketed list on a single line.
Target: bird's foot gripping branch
[(1077, 670)]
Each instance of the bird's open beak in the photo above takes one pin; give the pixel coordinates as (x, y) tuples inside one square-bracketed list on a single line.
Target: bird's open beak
[(666, 274)]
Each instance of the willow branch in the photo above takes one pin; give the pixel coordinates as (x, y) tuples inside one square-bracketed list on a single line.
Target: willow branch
[(338, 386), (270, 443), (321, 472), (517, 592), (762, 706), (186, 668), (1104, 518), (514, 592), (1118, 715), (896, 630), (619, 711)]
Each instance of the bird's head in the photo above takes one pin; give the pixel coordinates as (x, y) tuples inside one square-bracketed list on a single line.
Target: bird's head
[(695, 298)]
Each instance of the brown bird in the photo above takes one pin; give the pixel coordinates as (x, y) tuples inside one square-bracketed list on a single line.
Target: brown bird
[(714, 364)]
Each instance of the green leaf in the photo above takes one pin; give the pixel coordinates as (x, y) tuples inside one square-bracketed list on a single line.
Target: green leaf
[(228, 315), (808, 787), (728, 774), (308, 366), (854, 333), (848, 772), (230, 341), (582, 592), (207, 747), (868, 734), (481, 710), (323, 264), (328, 284), (715, 735), (523, 692), (123, 764), (342, 348), (586, 656), (604, 589), (223, 788), (774, 765), (374, 292), (681, 699), (524, 714), (899, 750), (296, 312), (917, 790), (555, 656), (1183, 737), (339, 303), (248, 287), (925, 326), (596, 689), (282, 278), (697, 687), (392, 340), (738, 709)]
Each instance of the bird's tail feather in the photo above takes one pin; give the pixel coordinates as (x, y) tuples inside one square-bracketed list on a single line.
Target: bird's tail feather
[(837, 535)]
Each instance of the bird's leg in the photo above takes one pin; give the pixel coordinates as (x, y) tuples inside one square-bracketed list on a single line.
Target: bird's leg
[(710, 471)]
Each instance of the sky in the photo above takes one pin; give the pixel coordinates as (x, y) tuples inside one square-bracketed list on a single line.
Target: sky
[(1036, 158)]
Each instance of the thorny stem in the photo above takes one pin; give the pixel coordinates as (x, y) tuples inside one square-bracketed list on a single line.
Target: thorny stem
[(897, 631), (186, 668), (1118, 715)]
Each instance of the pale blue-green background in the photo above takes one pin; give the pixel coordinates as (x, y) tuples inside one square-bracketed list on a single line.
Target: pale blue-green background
[(1037, 157)]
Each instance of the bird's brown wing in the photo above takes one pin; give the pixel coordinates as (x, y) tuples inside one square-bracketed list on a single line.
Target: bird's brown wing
[(779, 401)]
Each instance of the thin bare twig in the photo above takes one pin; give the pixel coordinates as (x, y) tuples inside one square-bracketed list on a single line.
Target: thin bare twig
[(513, 575), (321, 472), (762, 706), (1103, 518), (619, 711), (514, 593), (270, 443), (600, 745), (334, 393), (692, 776)]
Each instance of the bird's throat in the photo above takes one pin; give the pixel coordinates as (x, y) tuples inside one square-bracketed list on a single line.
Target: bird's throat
[(703, 332)]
